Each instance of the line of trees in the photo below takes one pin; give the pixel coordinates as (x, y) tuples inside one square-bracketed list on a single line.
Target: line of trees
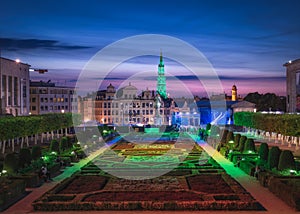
[(24, 126), (286, 124)]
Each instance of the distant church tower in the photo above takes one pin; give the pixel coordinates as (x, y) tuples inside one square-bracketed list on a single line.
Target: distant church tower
[(234, 93), (161, 79)]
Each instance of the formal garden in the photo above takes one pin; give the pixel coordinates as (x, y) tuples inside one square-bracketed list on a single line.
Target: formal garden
[(190, 180), (141, 170), (276, 169), (21, 169)]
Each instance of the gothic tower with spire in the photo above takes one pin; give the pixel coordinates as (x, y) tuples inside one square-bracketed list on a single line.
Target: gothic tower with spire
[(234, 93), (161, 79)]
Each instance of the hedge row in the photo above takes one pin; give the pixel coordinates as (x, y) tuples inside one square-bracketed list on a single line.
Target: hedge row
[(286, 124), (12, 127)]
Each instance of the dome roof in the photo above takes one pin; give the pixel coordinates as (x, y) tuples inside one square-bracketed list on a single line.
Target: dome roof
[(129, 87)]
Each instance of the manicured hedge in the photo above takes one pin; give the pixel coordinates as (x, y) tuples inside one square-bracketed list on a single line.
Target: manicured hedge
[(24, 157), (249, 145), (22, 126), (273, 157), (286, 124), (263, 151), (10, 163), (286, 160), (242, 143)]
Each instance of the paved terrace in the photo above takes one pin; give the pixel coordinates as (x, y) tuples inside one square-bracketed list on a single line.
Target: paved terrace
[(272, 204)]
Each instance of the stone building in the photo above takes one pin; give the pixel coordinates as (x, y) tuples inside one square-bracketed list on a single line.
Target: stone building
[(293, 85), (46, 97), (14, 93)]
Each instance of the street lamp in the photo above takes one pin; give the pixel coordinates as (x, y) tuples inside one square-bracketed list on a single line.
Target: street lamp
[(62, 111)]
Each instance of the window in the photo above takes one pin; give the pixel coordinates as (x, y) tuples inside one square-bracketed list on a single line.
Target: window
[(66, 100), (33, 108), (42, 108), (46, 100), (51, 100), (42, 99), (33, 99)]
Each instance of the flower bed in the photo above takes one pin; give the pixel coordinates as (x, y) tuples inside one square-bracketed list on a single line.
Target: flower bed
[(198, 183), (209, 184), (144, 196), (84, 184)]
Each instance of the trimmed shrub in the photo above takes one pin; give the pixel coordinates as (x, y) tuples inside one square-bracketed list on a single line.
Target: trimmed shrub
[(224, 136), (229, 137), (24, 157), (242, 143), (249, 145), (214, 130), (263, 151), (63, 144), (208, 126), (10, 163), (36, 152), (237, 138), (286, 160), (273, 157), (54, 146), (71, 140)]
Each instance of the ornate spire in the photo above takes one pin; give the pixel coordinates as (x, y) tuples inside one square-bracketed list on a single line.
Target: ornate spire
[(161, 60), (161, 79)]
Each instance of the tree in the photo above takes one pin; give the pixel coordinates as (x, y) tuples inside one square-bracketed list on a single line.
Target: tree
[(263, 152), (265, 102), (273, 157), (286, 160), (10, 163), (24, 157)]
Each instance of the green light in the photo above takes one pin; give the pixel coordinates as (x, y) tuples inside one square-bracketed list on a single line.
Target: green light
[(53, 153), (4, 171), (45, 158), (293, 172), (231, 141), (249, 152)]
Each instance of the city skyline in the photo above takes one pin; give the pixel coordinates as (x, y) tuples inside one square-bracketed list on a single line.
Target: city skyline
[(246, 42)]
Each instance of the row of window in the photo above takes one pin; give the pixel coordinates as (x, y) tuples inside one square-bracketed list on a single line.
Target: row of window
[(116, 105), (131, 112), (52, 91), (53, 99)]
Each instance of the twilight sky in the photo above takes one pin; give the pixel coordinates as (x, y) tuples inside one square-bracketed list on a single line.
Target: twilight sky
[(245, 41)]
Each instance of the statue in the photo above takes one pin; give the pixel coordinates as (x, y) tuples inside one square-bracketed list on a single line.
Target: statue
[(157, 104)]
